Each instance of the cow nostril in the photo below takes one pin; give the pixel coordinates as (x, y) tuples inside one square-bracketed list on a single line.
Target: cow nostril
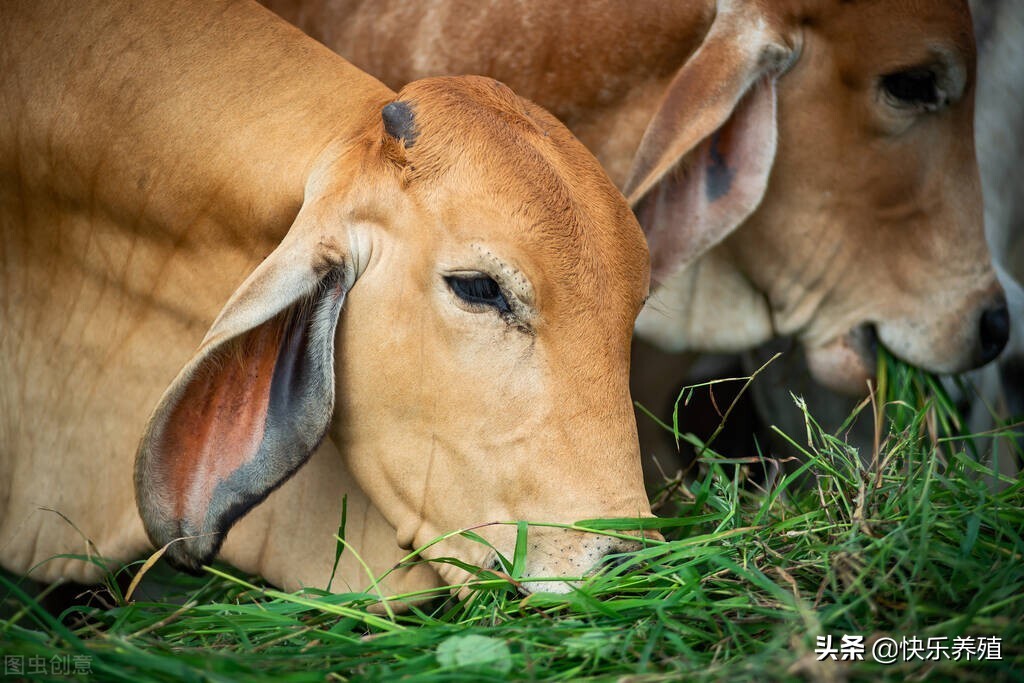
[(995, 332)]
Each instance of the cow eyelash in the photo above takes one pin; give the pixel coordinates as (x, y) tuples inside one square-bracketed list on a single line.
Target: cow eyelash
[(479, 290), (914, 88)]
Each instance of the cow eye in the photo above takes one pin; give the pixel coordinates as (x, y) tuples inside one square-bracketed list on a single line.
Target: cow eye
[(913, 88), (479, 290)]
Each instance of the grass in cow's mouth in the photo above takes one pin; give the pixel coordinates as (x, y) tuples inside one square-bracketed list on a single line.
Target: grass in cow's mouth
[(911, 542)]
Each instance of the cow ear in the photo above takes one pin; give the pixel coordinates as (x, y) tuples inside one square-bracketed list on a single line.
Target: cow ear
[(704, 160), (253, 402)]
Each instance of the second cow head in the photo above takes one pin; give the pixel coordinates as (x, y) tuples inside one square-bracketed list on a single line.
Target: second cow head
[(825, 150)]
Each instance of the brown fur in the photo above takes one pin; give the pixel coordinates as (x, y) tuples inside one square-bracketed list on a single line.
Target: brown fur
[(155, 157)]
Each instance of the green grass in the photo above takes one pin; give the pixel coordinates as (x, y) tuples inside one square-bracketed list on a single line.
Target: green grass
[(915, 543)]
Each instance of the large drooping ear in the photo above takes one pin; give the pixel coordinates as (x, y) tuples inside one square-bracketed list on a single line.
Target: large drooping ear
[(704, 160), (250, 406), (256, 398)]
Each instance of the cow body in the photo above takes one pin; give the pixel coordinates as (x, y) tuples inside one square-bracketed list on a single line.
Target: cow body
[(832, 144), (121, 199), (154, 158)]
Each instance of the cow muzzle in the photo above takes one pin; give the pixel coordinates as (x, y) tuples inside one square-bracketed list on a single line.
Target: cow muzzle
[(959, 341), (846, 363), (550, 569), (557, 559)]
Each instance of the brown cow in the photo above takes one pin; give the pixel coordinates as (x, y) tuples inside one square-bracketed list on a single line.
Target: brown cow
[(998, 389), (801, 167), (154, 157)]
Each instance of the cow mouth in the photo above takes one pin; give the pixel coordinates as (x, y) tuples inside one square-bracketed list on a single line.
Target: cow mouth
[(846, 363)]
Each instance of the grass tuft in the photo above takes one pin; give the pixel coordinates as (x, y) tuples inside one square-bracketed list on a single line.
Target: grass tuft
[(908, 542)]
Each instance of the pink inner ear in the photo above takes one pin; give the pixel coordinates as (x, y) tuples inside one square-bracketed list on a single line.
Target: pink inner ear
[(712, 189), (220, 419)]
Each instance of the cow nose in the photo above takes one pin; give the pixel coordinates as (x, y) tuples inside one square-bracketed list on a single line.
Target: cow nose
[(995, 332)]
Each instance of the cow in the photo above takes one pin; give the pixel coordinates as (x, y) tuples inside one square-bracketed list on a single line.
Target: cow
[(801, 168), (997, 390), (235, 269)]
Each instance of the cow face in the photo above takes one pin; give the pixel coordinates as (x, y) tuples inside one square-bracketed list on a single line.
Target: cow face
[(888, 243), (486, 376), (849, 152), (490, 275)]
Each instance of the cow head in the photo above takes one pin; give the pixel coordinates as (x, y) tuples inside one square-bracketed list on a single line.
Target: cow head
[(486, 275), (813, 163)]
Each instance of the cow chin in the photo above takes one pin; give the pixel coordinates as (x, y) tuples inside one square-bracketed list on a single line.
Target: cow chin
[(846, 363)]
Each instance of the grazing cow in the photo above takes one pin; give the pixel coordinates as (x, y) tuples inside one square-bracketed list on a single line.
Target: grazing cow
[(997, 389), (155, 156), (801, 168)]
